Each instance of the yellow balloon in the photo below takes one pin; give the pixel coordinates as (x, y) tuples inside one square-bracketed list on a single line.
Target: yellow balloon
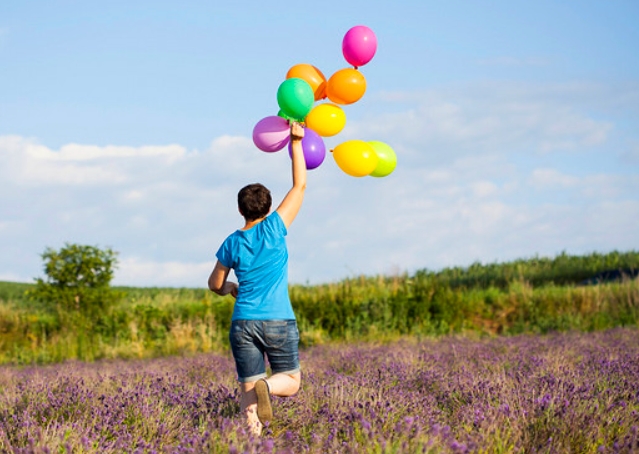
[(326, 119), (356, 158)]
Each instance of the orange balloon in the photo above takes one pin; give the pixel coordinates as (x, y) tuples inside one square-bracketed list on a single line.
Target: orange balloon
[(346, 86), (312, 76)]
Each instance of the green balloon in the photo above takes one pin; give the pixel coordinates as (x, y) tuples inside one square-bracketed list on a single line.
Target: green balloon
[(387, 159), (284, 116), (295, 98)]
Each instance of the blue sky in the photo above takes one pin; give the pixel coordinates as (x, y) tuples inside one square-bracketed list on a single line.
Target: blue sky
[(128, 125)]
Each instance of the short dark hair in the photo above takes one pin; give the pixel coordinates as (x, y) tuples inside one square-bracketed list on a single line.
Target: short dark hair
[(254, 201)]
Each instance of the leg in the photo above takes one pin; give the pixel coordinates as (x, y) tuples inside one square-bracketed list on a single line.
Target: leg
[(283, 384), (280, 341), (249, 362), (283, 356), (248, 407), (279, 384)]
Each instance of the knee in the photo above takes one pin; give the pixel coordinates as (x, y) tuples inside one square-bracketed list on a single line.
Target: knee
[(295, 384)]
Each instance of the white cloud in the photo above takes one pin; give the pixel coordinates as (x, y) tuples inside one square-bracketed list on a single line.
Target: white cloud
[(493, 118), (484, 188), (484, 173), (76, 152), (545, 178), (134, 271), (11, 277), (27, 162)]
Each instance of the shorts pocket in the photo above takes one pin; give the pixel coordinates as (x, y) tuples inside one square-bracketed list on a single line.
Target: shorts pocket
[(275, 333), (238, 335)]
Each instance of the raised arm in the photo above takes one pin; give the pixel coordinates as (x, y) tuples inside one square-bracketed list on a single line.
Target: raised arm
[(292, 202)]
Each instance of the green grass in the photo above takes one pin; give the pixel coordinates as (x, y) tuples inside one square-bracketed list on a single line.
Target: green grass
[(523, 296)]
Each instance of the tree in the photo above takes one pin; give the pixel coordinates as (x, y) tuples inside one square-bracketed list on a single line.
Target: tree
[(78, 279)]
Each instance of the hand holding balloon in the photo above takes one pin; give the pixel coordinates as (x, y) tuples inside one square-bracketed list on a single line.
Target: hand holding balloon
[(313, 148), (297, 131)]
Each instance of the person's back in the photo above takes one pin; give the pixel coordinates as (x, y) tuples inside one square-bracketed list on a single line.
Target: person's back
[(259, 258), (263, 321)]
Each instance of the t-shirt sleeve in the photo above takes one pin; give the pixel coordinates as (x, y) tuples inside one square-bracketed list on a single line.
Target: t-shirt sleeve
[(224, 255), (277, 224)]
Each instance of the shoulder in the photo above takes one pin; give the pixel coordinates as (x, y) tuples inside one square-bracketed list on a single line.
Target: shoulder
[(229, 243), (274, 222), (233, 237)]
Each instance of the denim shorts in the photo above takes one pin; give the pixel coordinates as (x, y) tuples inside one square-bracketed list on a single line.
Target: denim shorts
[(252, 339)]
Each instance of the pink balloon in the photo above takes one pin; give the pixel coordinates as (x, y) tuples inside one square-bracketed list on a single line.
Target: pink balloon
[(359, 45), (271, 133)]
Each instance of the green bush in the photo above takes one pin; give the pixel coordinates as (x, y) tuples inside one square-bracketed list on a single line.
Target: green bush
[(493, 300), (78, 280)]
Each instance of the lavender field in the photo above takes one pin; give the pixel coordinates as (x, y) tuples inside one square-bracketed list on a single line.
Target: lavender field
[(571, 392)]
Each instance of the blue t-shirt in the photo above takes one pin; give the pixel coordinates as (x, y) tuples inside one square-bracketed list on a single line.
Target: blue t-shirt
[(259, 258)]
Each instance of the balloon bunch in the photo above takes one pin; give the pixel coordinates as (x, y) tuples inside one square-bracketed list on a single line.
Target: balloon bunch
[(304, 86)]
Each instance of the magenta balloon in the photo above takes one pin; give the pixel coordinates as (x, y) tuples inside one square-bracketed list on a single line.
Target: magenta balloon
[(313, 147), (359, 45), (271, 133)]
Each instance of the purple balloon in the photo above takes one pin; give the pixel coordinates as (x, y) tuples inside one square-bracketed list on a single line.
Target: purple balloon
[(271, 133), (313, 147)]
